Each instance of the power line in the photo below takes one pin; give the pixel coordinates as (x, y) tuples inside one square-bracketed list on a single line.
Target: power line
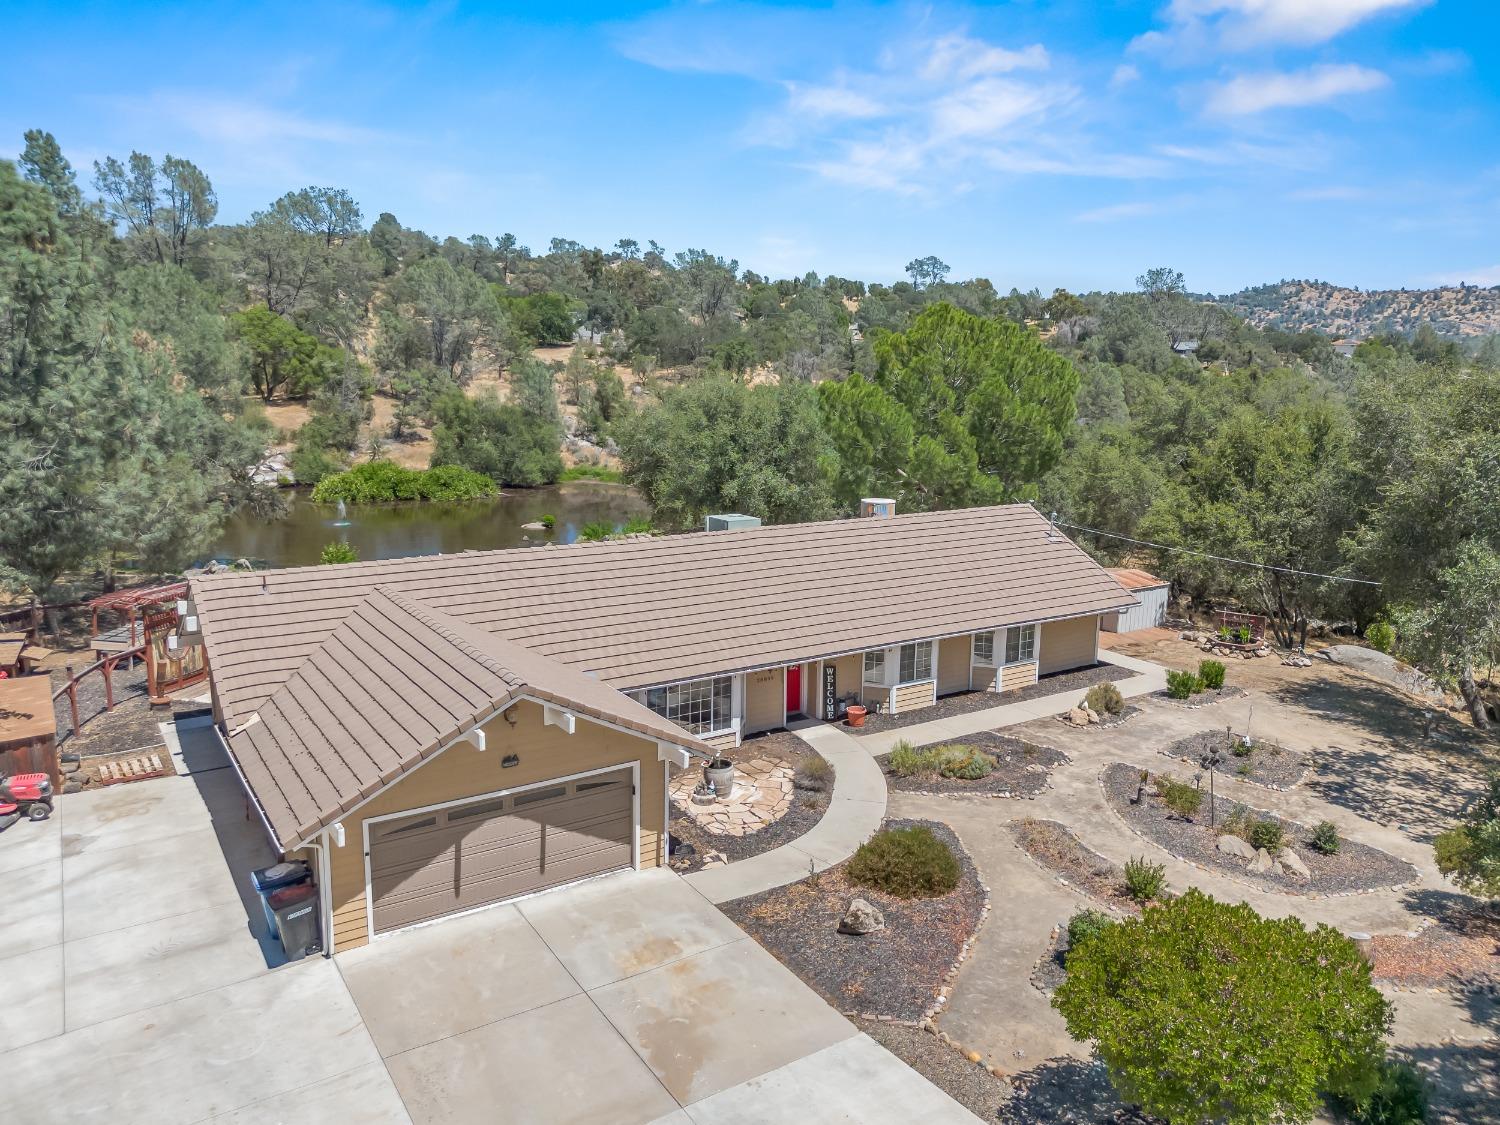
[(1216, 558)]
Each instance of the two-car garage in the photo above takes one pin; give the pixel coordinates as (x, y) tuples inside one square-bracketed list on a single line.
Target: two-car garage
[(456, 857)]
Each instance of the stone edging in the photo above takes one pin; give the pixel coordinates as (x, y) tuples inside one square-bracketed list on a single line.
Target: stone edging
[(1242, 780), (1064, 881), (1188, 704), (1130, 712), (1309, 895)]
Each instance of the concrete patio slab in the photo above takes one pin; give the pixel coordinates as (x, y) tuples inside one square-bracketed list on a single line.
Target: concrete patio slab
[(718, 1018), (564, 1062), (365, 1095), (32, 918), (442, 980), (120, 816), (204, 1055), (33, 1008), (28, 844), (111, 974), (854, 1081), (621, 925)]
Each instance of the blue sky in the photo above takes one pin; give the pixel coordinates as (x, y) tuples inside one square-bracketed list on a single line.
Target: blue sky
[(1035, 144)]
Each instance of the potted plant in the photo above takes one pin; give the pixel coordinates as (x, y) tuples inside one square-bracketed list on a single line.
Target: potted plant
[(719, 775), (856, 715)]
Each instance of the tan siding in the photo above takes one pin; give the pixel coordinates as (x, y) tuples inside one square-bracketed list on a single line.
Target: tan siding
[(765, 693), (953, 663), (1067, 644), (913, 697), (874, 693), (1014, 676), (462, 771), (986, 677)]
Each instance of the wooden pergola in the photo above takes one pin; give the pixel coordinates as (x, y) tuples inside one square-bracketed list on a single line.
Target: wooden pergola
[(130, 605)]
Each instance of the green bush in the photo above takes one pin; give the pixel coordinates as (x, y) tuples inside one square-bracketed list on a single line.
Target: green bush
[(1211, 673), (972, 765), (905, 760), (338, 552), (381, 482), (1144, 880), (1105, 699), (1325, 838), (1381, 636), (548, 521), (815, 774), (637, 525), (595, 532), (1183, 799), (1267, 833), (1180, 685), (1240, 748), (1084, 925), (311, 466), (906, 862), (592, 472), (1399, 1097)]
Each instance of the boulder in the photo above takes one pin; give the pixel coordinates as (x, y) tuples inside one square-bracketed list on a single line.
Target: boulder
[(1078, 717), (534, 525), (1091, 713), (1262, 863), (1233, 845), (1292, 862), (861, 918)]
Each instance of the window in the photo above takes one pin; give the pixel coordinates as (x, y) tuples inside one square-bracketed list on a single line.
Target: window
[(700, 706), (916, 662), (984, 648), (1020, 644), (875, 666), (532, 796)]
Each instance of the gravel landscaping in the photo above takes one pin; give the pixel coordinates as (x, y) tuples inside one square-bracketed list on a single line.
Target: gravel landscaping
[(1201, 698), (968, 1083), (1075, 1091), (1459, 951), (1105, 721), (964, 702), (806, 810), (1052, 969), (1054, 847), (1354, 868), (1265, 764), (1021, 769), (895, 972)]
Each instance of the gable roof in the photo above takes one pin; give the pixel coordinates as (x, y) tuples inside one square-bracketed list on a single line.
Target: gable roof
[(391, 685), (640, 613)]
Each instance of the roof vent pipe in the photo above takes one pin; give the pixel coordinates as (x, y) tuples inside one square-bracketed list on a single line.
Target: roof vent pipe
[(877, 507)]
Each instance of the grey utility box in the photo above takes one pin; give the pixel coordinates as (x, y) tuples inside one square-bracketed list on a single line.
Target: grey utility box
[(731, 521)]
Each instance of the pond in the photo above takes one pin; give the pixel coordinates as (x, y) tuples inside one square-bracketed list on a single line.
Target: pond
[(387, 531)]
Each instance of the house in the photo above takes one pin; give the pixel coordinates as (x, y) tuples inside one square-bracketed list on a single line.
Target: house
[(1152, 610), (409, 725)]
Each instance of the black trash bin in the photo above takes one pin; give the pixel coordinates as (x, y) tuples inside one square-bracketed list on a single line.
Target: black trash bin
[(273, 878), (294, 911)]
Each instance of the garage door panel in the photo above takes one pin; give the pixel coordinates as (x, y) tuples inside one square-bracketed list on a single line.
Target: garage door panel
[(498, 848)]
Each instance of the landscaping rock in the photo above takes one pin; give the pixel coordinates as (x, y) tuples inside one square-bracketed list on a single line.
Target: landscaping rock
[(1078, 717), (1262, 864), (1093, 715), (534, 525), (1233, 845), (1292, 862), (861, 918)]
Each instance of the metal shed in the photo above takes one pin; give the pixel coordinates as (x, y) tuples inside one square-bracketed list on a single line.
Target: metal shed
[(1152, 612)]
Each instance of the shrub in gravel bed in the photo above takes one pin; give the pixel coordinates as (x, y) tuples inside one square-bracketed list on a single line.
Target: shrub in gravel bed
[(1105, 699), (1181, 685), (1260, 763), (1144, 881), (1085, 924), (815, 775), (1266, 834), (1325, 838), (984, 763), (905, 862), (1354, 868), (1211, 674), (1183, 799)]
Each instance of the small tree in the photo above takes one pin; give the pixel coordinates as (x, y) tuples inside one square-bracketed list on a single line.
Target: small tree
[(1470, 853), (1205, 1011), (338, 552)]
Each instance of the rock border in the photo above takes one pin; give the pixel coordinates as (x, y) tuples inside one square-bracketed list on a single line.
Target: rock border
[(1194, 702), (1105, 722), (1166, 752)]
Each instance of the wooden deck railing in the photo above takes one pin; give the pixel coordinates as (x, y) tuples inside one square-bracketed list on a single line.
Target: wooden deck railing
[(106, 667)]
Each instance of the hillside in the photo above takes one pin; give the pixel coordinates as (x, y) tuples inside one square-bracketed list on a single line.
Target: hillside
[(1338, 311)]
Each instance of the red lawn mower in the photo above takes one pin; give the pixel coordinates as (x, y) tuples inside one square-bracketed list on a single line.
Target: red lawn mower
[(25, 794)]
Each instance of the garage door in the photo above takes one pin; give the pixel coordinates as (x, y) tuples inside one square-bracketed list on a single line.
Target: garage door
[(495, 848)]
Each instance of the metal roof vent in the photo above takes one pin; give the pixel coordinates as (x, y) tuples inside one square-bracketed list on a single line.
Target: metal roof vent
[(730, 521)]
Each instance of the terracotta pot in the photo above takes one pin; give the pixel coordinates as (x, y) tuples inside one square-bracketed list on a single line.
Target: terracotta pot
[(856, 715)]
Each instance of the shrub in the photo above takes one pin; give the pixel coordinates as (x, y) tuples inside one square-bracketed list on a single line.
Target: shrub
[(549, 521), (1154, 992), (1105, 699), (595, 532), (906, 862), (1236, 822), (1183, 799), (1399, 1097), (1469, 853), (1211, 672), (381, 482), (1325, 838), (338, 552), (1243, 634), (1240, 748), (1084, 925), (637, 525), (906, 760), (814, 774), (973, 766), (1267, 833), (1382, 636), (1180, 685), (1144, 880)]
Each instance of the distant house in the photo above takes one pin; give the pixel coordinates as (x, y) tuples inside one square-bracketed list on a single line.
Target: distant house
[(1345, 347), (1185, 347)]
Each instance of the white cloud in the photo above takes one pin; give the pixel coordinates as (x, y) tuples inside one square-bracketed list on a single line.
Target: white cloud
[(1243, 24), (1256, 93), (957, 56), (831, 102), (1115, 212), (1124, 75), (1333, 193)]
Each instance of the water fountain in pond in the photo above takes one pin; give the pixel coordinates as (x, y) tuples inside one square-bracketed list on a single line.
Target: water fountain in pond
[(343, 520)]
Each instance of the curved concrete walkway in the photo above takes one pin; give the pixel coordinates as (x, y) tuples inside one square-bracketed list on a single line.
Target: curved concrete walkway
[(855, 810)]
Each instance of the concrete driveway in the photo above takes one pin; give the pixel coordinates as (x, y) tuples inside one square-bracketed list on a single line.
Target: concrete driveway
[(143, 988)]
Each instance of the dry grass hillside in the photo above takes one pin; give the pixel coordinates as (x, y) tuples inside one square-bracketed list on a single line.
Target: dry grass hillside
[(1459, 312)]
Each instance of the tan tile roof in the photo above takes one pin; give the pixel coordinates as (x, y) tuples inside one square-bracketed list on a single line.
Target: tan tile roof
[(645, 612), (1133, 579), (394, 682)]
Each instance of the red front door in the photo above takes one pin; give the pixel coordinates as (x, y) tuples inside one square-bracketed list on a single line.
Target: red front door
[(794, 689)]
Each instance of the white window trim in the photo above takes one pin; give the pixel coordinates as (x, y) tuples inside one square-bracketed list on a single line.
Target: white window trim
[(1003, 645), (931, 676), (736, 703), (974, 657)]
